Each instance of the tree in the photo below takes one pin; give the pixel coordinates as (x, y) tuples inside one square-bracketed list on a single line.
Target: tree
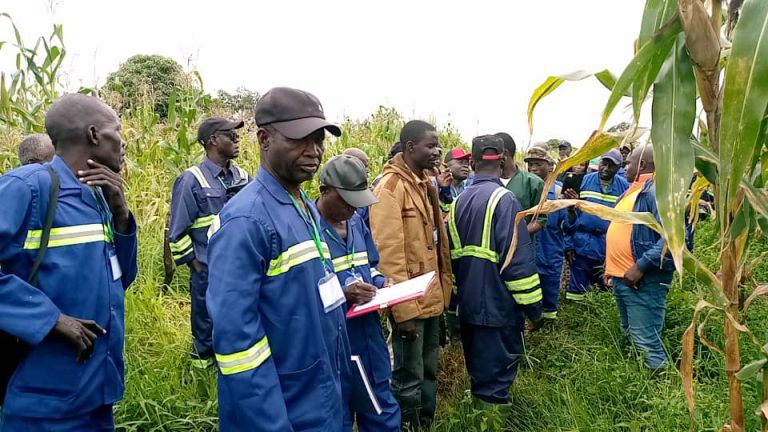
[(241, 103), (679, 55), (147, 76)]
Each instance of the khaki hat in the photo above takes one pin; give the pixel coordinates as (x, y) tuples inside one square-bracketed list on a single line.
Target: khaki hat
[(538, 152)]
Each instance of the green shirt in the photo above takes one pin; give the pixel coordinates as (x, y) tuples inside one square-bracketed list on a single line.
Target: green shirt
[(527, 188)]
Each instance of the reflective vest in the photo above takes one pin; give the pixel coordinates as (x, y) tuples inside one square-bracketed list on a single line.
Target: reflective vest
[(280, 355), (481, 225), (84, 274), (196, 200)]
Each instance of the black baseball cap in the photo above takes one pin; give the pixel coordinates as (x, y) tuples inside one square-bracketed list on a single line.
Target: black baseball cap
[(349, 177), (294, 113), (487, 147), (212, 125)]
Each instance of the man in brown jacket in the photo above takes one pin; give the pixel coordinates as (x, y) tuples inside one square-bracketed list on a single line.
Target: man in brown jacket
[(412, 240)]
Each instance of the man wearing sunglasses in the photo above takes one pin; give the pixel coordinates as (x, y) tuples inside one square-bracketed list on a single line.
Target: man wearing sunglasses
[(199, 194)]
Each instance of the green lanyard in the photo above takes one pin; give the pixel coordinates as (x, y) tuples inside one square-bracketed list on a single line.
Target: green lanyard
[(310, 221), (101, 203)]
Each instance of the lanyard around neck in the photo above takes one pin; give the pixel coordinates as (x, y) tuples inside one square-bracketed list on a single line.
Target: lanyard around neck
[(310, 222)]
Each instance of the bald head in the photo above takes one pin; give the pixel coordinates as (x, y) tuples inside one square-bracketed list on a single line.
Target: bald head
[(36, 148), (358, 154), (640, 161), (83, 127)]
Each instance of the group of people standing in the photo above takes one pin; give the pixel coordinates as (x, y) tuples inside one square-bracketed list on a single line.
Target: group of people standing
[(274, 271)]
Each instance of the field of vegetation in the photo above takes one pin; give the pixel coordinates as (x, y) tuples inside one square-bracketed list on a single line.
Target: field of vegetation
[(578, 374)]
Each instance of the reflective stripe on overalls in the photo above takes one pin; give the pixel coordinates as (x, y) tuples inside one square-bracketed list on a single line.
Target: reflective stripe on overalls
[(526, 290)]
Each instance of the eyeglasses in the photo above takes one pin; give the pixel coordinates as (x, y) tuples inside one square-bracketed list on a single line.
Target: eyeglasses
[(230, 134)]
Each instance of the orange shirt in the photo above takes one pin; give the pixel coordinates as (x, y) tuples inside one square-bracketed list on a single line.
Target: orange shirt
[(618, 239)]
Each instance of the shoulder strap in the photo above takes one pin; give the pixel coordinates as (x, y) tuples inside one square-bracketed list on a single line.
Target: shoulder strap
[(243, 173), (52, 202), (198, 173)]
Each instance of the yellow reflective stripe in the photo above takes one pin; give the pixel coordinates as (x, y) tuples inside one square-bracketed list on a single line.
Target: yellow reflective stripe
[(527, 298), (67, 236), (203, 222), (575, 296), (295, 255), (179, 255), (599, 196), (549, 315), (524, 283), (215, 225), (244, 360), (348, 261), (453, 231), (182, 244), (475, 251), (198, 173), (243, 173), (489, 209)]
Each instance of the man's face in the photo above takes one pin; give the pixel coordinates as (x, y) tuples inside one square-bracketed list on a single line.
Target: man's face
[(607, 169), (338, 208), (227, 143), (459, 168), (564, 152), (633, 165), (539, 167), (624, 153), (293, 161), (110, 148), (426, 151)]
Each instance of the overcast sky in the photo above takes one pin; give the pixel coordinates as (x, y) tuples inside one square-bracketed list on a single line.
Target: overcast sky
[(473, 63)]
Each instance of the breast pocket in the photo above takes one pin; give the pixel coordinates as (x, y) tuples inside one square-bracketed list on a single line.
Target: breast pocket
[(209, 200)]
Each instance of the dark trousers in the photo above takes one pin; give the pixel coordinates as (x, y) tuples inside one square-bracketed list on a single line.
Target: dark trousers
[(492, 355), (414, 375), (583, 272), (202, 340), (550, 290), (99, 420)]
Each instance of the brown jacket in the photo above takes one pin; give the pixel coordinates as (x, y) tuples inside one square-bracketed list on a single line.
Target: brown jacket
[(402, 224)]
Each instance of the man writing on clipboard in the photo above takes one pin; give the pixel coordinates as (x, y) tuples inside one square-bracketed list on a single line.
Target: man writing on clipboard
[(344, 189)]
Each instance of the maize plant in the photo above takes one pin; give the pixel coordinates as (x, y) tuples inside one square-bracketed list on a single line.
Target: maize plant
[(685, 57)]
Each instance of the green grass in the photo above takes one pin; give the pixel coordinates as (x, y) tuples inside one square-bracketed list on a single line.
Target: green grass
[(577, 375)]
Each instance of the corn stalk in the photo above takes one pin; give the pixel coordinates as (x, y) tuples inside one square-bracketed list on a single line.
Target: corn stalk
[(678, 58)]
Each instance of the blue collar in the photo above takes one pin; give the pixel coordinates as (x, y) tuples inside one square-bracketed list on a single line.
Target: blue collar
[(214, 169), (272, 186), (485, 178)]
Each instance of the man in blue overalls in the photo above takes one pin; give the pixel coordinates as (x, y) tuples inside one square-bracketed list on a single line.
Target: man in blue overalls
[(71, 321), (343, 189), (587, 257), (550, 240), (279, 330), (493, 301), (199, 194)]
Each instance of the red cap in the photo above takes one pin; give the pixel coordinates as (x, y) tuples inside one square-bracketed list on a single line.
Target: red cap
[(457, 153)]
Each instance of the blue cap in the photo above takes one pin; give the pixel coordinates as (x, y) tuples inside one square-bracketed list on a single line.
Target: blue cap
[(613, 156)]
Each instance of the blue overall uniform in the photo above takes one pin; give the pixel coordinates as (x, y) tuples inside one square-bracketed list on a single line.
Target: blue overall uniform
[(280, 355), (84, 274), (357, 257), (492, 304), (588, 234), (199, 194), (550, 250)]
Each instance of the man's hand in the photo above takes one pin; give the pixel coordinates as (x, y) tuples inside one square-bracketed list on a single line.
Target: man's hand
[(197, 265), (360, 292), (607, 280), (407, 330), (534, 227), (80, 333), (570, 255), (112, 185), (632, 276), (444, 179), (570, 194), (387, 283)]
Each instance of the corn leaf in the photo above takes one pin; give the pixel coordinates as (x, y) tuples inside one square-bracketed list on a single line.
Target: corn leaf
[(657, 47), (744, 100), (673, 116), (656, 13), (549, 85)]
